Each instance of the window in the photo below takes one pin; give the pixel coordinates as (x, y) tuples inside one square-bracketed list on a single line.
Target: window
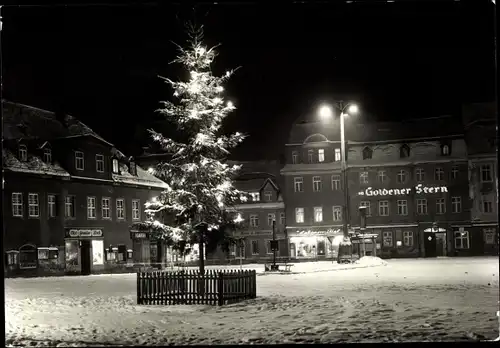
[(254, 220), (368, 208), (33, 205), (461, 239), (99, 163), (136, 210), (97, 252), (439, 174), (440, 206), (299, 215), (270, 218), (321, 155), (255, 247), (132, 169), (47, 155), (310, 155), (12, 257), (335, 182), (298, 184), (486, 175), (387, 238), (318, 214), (487, 204), (363, 177), (69, 206), (268, 196), (43, 253), (454, 172), (402, 207), (382, 176), (106, 208), (51, 206), (17, 204), (115, 166), (408, 238), (337, 155), (337, 213), (383, 208), (404, 151), (419, 174), (282, 218), (120, 209), (295, 157), (367, 153), (268, 247), (489, 235), (402, 176), (27, 256), (445, 150), (456, 204), (79, 161), (91, 208), (255, 196), (23, 153), (422, 206), (316, 183)]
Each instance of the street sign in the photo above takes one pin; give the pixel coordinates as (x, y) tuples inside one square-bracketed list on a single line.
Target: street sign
[(274, 245)]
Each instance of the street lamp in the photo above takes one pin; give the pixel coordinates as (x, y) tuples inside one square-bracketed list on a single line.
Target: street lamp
[(326, 113)]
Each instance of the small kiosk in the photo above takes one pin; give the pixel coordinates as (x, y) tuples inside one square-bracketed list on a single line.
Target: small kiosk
[(148, 250)]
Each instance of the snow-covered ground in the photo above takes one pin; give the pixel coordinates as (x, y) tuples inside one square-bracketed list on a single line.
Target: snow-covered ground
[(406, 300)]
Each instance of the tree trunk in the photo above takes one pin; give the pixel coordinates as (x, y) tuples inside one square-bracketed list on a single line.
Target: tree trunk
[(201, 253)]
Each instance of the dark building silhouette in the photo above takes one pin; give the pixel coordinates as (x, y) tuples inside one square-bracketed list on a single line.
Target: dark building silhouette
[(70, 196)]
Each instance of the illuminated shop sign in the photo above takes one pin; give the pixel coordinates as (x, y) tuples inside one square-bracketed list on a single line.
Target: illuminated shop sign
[(78, 233), (419, 189)]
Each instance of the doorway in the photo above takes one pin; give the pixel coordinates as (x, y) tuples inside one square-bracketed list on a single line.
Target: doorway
[(85, 255), (293, 251), (430, 244), (441, 244)]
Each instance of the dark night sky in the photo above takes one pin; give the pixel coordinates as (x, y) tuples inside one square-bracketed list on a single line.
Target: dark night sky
[(398, 60)]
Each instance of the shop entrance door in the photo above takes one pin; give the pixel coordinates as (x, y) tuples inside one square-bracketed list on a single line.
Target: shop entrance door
[(85, 251), (430, 244), (441, 244), (293, 252)]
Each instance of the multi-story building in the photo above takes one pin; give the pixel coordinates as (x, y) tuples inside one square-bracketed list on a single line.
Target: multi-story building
[(411, 176), (481, 136), (313, 190), (261, 181), (70, 196)]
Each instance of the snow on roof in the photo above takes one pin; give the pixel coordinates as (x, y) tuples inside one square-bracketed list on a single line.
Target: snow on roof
[(142, 178), (34, 165)]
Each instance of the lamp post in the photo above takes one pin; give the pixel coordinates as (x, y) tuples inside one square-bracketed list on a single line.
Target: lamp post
[(326, 112)]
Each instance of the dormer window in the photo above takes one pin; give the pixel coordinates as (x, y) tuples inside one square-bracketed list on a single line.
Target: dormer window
[(404, 151), (295, 157), (367, 153), (445, 150), (99, 163), (310, 155), (23, 153), (255, 196), (47, 155), (115, 166), (132, 168), (321, 155), (79, 161)]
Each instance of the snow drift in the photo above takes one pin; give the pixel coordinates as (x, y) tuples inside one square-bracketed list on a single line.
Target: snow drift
[(371, 261)]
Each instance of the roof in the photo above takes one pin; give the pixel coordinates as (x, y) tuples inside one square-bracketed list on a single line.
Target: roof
[(38, 126), (379, 131), (479, 112)]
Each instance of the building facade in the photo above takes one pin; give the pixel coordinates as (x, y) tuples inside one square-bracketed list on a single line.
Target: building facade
[(480, 123), (70, 196), (411, 176)]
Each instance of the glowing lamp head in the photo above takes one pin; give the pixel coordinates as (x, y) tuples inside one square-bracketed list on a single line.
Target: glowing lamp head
[(353, 109), (230, 104), (325, 112), (151, 170)]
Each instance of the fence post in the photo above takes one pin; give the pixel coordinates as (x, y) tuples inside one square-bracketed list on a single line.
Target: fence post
[(254, 284), (220, 290), (139, 297)]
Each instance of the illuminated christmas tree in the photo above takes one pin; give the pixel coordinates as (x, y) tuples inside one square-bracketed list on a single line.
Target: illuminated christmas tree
[(196, 205)]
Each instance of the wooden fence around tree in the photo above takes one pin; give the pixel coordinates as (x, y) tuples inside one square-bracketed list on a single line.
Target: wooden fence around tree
[(190, 287)]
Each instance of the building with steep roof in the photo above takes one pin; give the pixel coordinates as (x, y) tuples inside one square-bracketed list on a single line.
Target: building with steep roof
[(70, 196)]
